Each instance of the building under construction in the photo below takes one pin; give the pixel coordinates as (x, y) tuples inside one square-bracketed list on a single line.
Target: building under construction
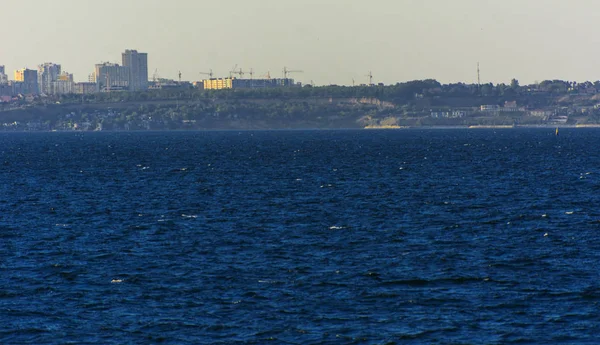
[(235, 83)]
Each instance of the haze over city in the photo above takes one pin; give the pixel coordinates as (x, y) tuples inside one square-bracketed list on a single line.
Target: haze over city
[(332, 42)]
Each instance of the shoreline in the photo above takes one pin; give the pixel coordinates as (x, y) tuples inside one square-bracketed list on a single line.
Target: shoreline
[(489, 126)]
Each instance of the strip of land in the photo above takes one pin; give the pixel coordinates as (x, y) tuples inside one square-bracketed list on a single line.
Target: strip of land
[(425, 103)]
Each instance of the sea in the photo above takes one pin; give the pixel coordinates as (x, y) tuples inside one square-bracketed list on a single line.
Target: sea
[(410, 236)]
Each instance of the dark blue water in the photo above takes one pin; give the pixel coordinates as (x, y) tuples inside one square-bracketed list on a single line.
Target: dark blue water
[(300, 237)]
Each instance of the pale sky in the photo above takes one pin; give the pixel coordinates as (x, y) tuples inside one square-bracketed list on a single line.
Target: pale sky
[(332, 41)]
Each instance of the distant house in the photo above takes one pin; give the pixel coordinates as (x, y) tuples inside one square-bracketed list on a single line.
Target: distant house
[(440, 114), (490, 107), (541, 113), (510, 106), (448, 114), (558, 119)]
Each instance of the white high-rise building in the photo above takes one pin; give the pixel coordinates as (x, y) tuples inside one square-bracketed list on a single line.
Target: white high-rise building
[(63, 85), (111, 76), (48, 74), (138, 69)]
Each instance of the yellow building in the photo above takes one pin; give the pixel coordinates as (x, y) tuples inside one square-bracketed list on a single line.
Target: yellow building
[(218, 84), (64, 76)]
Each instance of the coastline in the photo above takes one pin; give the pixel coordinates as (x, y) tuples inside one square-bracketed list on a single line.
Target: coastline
[(545, 126)]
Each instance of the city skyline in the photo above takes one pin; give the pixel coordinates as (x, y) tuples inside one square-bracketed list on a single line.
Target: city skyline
[(332, 42)]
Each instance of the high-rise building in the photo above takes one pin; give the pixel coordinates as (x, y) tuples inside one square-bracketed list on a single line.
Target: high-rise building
[(138, 69), (84, 88), (63, 85), (6, 90), (111, 76), (29, 80), (3, 76), (48, 75)]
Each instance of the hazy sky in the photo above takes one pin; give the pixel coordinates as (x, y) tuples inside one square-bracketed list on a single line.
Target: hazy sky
[(332, 41)]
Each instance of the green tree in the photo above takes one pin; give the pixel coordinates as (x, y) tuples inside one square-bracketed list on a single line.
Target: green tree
[(514, 84)]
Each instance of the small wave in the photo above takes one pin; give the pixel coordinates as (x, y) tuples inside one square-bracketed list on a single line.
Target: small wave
[(269, 281), (188, 216), (417, 282)]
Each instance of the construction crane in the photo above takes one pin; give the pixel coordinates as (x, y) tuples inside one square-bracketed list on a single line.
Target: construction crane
[(287, 71), (156, 79), (209, 74), (251, 73), (370, 76), (232, 72), (238, 72)]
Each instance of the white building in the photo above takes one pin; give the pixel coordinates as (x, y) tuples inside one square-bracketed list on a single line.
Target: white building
[(63, 85), (138, 69), (111, 76), (489, 107), (48, 75)]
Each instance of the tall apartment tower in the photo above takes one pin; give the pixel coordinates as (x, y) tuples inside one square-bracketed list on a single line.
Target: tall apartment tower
[(138, 69), (3, 76), (29, 78), (48, 74), (111, 76)]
